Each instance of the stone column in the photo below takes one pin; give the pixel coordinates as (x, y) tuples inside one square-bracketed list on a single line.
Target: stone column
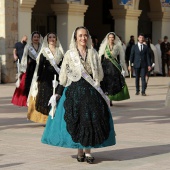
[(24, 17), (160, 24), (69, 16), (126, 22), (8, 37)]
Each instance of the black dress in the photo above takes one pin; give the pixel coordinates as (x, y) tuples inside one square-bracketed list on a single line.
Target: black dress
[(86, 114), (45, 75), (31, 64), (113, 80)]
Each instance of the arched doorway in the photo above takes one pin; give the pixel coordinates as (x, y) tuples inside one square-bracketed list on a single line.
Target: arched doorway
[(144, 23), (43, 18), (98, 19)]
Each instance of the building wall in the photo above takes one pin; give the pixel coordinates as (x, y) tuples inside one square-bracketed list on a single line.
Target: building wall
[(15, 20), (8, 37)]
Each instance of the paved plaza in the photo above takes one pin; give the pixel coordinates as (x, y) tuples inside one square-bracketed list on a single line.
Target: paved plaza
[(142, 126)]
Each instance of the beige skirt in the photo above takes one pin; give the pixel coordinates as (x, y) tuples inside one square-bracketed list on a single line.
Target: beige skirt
[(33, 114)]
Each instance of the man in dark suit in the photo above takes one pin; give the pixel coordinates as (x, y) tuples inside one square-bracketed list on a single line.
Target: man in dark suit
[(141, 62)]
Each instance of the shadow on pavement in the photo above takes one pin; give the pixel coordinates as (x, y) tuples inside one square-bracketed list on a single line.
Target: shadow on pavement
[(18, 126), (10, 165), (131, 153), (13, 121), (139, 112)]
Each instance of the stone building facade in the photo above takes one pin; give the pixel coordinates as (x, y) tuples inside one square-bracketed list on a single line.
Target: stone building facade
[(124, 17)]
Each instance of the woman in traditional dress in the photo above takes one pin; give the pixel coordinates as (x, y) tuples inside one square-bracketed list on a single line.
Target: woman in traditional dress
[(48, 65), (113, 83), (152, 59), (26, 69), (82, 119)]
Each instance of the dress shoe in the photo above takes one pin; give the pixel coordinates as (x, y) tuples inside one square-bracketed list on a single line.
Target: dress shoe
[(80, 158), (111, 104), (89, 159), (137, 93), (143, 94)]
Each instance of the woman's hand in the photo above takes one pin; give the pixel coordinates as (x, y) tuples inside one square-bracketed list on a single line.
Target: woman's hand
[(54, 99)]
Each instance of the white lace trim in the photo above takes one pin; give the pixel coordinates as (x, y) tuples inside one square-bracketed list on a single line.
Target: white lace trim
[(34, 85), (119, 50), (71, 67), (27, 52)]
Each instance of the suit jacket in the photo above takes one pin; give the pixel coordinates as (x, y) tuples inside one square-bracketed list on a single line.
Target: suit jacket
[(140, 59)]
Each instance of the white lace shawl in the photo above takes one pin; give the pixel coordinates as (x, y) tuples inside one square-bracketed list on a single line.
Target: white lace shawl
[(114, 52), (58, 56), (23, 65), (71, 67), (71, 70), (118, 47), (157, 69)]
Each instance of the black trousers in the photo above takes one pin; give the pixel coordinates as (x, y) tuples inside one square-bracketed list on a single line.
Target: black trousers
[(140, 72), (165, 61)]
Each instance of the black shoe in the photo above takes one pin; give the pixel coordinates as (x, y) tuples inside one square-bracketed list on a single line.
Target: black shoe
[(81, 158), (89, 159), (111, 103), (137, 93), (143, 94)]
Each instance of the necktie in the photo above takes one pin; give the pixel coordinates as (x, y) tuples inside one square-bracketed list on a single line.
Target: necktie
[(140, 47)]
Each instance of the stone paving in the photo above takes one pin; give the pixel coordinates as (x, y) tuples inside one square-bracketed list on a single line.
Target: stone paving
[(142, 126)]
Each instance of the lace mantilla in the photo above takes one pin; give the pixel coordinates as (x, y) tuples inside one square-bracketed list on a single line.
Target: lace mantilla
[(114, 52), (34, 85), (119, 47), (71, 67), (28, 51), (57, 57)]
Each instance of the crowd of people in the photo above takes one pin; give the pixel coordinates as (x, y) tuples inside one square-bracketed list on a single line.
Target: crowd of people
[(71, 92)]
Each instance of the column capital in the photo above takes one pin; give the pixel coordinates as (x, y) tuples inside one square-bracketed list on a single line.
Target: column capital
[(69, 8), (69, 1), (125, 13), (159, 16), (26, 5)]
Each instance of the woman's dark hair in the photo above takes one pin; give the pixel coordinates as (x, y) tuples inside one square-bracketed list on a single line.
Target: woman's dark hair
[(141, 34), (51, 33), (75, 32), (35, 32), (111, 33)]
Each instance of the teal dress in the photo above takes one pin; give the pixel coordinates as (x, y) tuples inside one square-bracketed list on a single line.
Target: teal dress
[(82, 119)]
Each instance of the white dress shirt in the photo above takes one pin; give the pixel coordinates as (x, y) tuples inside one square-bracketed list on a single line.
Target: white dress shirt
[(139, 45)]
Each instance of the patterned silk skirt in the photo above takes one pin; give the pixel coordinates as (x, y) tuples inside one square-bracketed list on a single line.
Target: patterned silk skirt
[(82, 119)]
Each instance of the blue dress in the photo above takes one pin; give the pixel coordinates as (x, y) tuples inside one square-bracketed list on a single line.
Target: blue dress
[(82, 119)]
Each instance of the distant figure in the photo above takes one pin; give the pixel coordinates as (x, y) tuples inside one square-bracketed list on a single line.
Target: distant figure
[(158, 48), (165, 49), (128, 51), (19, 48), (152, 59), (95, 43)]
